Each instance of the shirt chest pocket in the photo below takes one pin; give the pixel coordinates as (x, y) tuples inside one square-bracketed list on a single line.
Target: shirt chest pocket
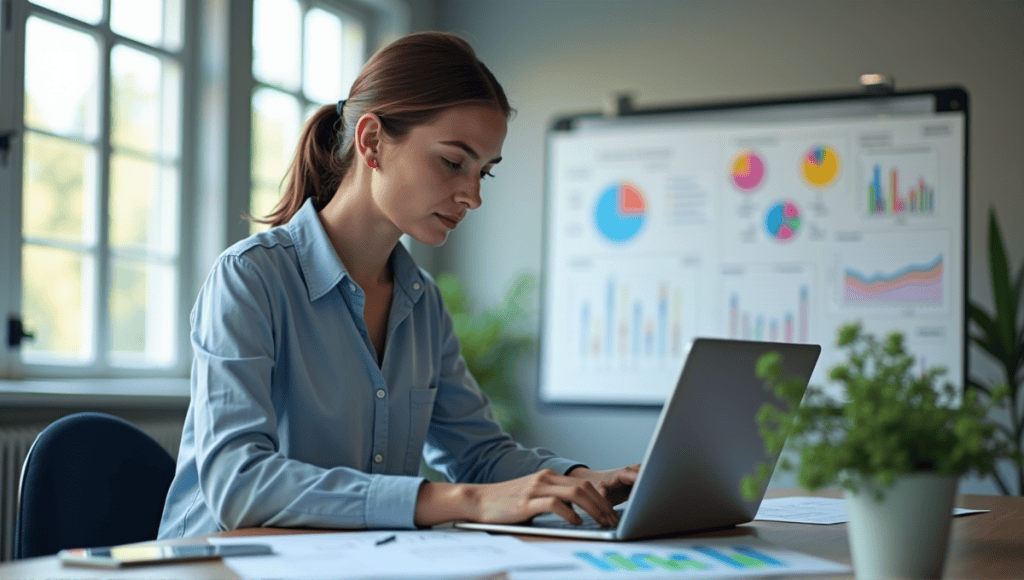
[(421, 409)]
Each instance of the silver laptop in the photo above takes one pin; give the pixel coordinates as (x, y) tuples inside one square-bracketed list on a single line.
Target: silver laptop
[(705, 442)]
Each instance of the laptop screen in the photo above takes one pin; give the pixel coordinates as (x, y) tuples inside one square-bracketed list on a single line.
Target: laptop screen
[(773, 221)]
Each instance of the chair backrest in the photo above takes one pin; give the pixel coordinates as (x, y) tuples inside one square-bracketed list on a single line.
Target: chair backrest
[(90, 479)]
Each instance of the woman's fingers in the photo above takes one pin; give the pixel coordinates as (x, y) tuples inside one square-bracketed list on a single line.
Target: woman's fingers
[(554, 505), (583, 494), (545, 491)]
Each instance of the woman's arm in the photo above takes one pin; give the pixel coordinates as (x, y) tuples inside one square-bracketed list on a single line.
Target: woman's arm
[(500, 481)]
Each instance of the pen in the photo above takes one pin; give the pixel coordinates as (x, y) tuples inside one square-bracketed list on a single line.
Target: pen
[(386, 540)]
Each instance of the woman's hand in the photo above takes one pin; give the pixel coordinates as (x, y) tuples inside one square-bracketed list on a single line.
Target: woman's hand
[(514, 501), (614, 484)]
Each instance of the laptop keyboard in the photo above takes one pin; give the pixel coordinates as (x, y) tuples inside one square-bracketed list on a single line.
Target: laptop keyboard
[(550, 520)]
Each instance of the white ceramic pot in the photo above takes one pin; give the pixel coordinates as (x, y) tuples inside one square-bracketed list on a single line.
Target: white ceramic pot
[(906, 534)]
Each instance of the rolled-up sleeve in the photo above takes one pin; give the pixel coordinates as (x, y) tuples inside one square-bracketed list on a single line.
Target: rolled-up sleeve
[(244, 477), (464, 442)]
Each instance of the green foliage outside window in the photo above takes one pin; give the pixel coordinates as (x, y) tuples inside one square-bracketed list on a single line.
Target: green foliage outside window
[(59, 191)]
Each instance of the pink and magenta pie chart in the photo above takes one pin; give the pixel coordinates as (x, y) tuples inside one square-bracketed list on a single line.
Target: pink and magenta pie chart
[(747, 170)]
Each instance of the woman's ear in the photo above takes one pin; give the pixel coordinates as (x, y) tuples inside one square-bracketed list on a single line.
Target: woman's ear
[(368, 136)]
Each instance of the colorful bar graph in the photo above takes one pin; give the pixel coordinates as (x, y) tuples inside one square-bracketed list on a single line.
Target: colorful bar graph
[(740, 560), (734, 316), (793, 329), (638, 313), (637, 322), (696, 557), (610, 320), (748, 551), (918, 199), (804, 307), (662, 319), (677, 326)]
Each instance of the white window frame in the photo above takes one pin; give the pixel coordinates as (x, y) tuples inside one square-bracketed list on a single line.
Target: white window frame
[(16, 14)]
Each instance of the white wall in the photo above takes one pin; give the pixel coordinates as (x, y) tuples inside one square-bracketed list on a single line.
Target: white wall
[(558, 56)]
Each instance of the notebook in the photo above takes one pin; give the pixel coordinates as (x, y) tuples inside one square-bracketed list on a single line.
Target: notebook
[(705, 442)]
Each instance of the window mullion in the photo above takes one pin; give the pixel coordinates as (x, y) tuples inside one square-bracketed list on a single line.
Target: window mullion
[(103, 276), (187, 162)]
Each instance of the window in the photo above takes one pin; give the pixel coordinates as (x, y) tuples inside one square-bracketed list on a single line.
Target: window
[(120, 181), (100, 181), (304, 56)]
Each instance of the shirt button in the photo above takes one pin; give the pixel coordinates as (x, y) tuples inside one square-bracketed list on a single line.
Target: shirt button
[(380, 393), (378, 458), (416, 286), (352, 287)]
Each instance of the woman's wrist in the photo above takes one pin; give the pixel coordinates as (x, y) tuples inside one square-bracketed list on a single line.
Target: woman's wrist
[(441, 502), (578, 471)]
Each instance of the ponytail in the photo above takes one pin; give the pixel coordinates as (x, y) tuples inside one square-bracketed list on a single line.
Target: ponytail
[(406, 83), (316, 171)]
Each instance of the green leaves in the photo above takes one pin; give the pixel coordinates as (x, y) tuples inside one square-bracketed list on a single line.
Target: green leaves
[(893, 420), (492, 341), (1000, 334)]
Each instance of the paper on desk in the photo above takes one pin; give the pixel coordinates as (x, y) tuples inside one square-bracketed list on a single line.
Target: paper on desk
[(814, 510), (743, 556), (412, 554)]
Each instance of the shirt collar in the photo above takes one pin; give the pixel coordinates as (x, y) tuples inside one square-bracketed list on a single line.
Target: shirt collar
[(323, 269)]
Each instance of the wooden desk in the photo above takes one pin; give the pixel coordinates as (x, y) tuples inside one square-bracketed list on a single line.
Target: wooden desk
[(987, 545)]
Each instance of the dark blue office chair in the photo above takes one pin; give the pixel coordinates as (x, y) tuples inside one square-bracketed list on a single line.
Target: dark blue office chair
[(90, 479)]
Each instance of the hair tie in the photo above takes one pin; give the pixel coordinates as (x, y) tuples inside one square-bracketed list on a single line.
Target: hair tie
[(341, 105)]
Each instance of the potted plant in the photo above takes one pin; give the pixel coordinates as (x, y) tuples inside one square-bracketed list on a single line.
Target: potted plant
[(1000, 335), (897, 443), (493, 341)]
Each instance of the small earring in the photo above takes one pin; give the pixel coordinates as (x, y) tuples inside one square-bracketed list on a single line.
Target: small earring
[(372, 163)]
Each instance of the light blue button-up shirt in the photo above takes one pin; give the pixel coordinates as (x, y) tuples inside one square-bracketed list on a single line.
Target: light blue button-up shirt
[(293, 424)]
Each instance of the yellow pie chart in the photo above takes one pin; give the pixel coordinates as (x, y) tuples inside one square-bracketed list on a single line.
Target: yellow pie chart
[(820, 166)]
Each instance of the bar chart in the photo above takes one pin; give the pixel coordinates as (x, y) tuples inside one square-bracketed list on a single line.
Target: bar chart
[(900, 183), (623, 317), (765, 303), (698, 558)]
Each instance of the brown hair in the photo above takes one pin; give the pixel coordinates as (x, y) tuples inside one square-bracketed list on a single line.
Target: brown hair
[(406, 83)]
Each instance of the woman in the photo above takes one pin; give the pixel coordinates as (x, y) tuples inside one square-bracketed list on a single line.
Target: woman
[(325, 359)]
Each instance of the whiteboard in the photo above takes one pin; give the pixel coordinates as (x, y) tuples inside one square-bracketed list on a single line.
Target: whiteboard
[(763, 220)]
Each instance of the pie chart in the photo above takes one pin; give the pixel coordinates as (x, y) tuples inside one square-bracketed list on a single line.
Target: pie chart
[(782, 220), (820, 166), (747, 170), (621, 212)]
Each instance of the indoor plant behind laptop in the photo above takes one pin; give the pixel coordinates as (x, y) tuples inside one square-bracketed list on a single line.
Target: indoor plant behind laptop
[(898, 443)]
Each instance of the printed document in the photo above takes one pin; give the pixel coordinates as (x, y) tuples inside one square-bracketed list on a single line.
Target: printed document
[(815, 510), (736, 557), (383, 555)]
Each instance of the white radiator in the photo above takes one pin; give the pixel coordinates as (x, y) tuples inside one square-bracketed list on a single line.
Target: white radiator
[(15, 443)]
